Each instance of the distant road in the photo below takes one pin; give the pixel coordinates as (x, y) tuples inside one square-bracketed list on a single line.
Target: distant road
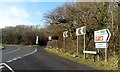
[(36, 58)]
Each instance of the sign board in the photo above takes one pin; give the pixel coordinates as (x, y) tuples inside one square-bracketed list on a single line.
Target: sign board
[(90, 52), (102, 35), (55, 37), (101, 45), (81, 30), (65, 34), (36, 39), (50, 38)]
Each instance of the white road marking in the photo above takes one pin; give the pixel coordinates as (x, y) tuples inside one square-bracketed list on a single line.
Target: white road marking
[(9, 61), (21, 56), (11, 51), (9, 67), (15, 59), (1, 65)]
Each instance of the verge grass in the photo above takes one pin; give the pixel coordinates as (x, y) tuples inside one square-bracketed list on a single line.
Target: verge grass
[(112, 63), (1, 46)]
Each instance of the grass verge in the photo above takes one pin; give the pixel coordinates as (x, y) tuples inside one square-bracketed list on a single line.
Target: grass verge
[(1, 47), (112, 63)]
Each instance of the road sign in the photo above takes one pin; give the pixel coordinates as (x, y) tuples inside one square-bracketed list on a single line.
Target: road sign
[(81, 30), (102, 35), (65, 34), (101, 45), (36, 39), (50, 38), (55, 37)]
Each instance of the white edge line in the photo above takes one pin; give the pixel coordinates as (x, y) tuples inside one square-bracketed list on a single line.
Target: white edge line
[(18, 57), (12, 51), (15, 59), (21, 56), (9, 61), (9, 67)]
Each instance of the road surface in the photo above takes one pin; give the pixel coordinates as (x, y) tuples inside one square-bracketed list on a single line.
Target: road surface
[(15, 58)]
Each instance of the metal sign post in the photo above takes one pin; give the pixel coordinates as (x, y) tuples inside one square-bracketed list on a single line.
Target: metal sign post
[(84, 47), (77, 46), (56, 44), (65, 45), (50, 39), (36, 40), (80, 31), (101, 37), (65, 34), (106, 55), (98, 50)]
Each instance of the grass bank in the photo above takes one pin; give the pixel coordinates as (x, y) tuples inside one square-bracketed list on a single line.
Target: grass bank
[(112, 63), (1, 46)]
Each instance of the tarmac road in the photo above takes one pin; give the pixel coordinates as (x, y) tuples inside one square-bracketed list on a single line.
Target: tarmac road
[(36, 58)]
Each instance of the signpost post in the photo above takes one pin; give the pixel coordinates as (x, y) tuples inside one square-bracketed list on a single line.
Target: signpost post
[(80, 31), (65, 34), (50, 39), (56, 39), (101, 37), (36, 40)]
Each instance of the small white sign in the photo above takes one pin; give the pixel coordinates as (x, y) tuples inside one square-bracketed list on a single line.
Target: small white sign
[(90, 52), (50, 38), (81, 30), (101, 45), (36, 39)]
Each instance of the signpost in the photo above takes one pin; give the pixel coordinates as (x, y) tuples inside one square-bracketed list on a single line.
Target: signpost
[(101, 45), (102, 37), (36, 40), (56, 39), (81, 31), (65, 34), (50, 38)]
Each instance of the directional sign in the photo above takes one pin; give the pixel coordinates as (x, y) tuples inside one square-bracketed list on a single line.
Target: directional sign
[(81, 30), (65, 34), (36, 39), (102, 35), (50, 38), (101, 45), (55, 37)]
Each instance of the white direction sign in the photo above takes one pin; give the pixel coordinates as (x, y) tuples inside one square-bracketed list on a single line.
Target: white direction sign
[(36, 39), (50, 38), (81, 30), (101, 45), (65, 34), (102, 35)]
